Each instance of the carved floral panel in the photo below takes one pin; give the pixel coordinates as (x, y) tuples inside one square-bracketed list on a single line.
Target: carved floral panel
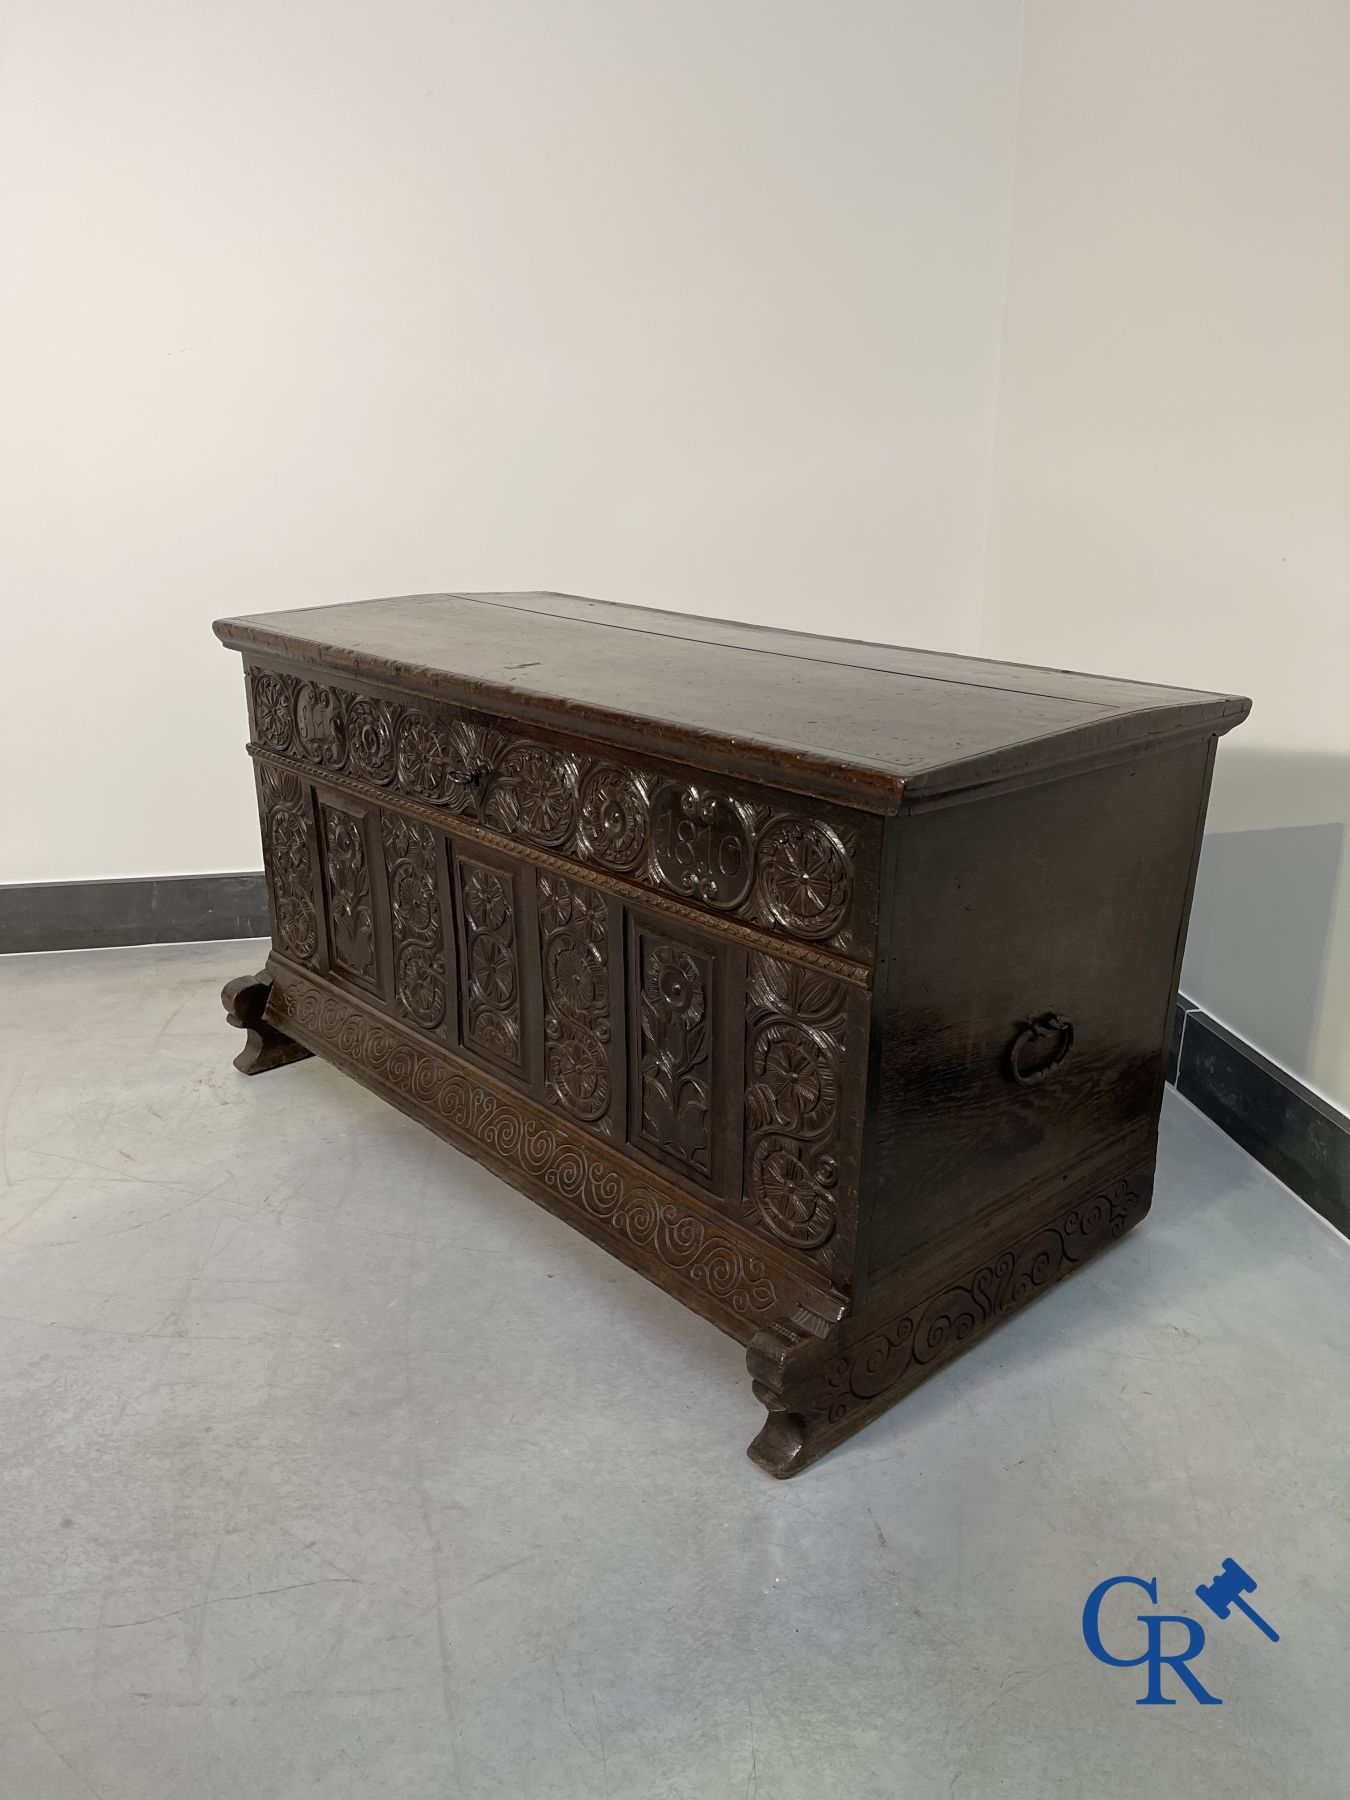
[(795, 1037), (574, 954), (675, 1062), (286, 841), (351, 918), (411, 860), (491, 975)]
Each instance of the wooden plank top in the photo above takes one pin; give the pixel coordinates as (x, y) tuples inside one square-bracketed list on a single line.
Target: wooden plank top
[(872, 724)]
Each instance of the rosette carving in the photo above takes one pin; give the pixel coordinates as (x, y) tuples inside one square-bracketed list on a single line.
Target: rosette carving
[(533, 794), (614, 812), (273, 708), (370, 739), (795, 1025), (804, 880), (424, 756)]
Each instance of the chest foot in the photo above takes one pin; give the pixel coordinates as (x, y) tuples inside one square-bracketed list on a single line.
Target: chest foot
[(245, 1000)]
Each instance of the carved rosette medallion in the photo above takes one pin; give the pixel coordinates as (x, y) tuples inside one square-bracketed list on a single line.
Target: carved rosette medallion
[(614, 805), (804, 877), (675, 1072), (410, 860), (423, 757), (273, 704), (492, 974), (351, 919), (286, 834), (370, 739), (573, 942), (533, 794), (794, 1062)]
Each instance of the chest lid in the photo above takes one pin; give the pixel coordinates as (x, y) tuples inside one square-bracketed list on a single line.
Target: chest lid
[(872, 725)]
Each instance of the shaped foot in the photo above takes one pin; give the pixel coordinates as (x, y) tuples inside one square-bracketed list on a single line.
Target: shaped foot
[(244, 1000), (788, 1363)]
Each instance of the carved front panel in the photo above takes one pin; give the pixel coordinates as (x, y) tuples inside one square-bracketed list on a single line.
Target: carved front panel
[(491, 999), (760, 857), (351, 906), (412, 855), (574, 949), (287, 829), (545, 1152), (673, 1102), (796, 1024)]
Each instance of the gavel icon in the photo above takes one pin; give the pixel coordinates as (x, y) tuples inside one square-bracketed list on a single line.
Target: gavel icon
[(1226, 1591)]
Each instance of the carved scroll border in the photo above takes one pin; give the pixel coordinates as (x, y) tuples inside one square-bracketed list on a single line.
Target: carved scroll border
[(574, 1175), (927, 1333)]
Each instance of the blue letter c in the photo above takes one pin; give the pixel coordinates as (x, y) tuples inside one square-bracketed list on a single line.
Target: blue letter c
[(1092, 1633)]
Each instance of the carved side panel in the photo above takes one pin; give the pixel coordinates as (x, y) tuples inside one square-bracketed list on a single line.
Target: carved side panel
[(796, 1022), (491, 968), (411, 861), (578, 1028), (672, 1106), (288, 851), (351, 905), (928, 1332)]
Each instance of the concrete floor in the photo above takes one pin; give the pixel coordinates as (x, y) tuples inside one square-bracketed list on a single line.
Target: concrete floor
[(333, 1467)]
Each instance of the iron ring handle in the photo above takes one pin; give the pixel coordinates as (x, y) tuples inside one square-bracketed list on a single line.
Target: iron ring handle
[(1048, 1025), (465, 777)]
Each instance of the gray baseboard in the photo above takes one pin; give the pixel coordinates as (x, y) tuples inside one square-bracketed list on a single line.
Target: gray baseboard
[(1302, 1139), (157, 909)]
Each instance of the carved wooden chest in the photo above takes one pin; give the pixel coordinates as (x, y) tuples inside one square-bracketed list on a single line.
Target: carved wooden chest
[(826, 983)]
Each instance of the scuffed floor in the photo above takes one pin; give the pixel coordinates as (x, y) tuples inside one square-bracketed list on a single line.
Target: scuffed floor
[(333, 1467)]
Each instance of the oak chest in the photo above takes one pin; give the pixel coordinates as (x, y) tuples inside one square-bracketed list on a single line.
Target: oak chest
[(828, 984)]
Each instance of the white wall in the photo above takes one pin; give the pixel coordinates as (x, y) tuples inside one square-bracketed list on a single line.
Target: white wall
[(692, 304), (1172, 489), (697, 305)]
